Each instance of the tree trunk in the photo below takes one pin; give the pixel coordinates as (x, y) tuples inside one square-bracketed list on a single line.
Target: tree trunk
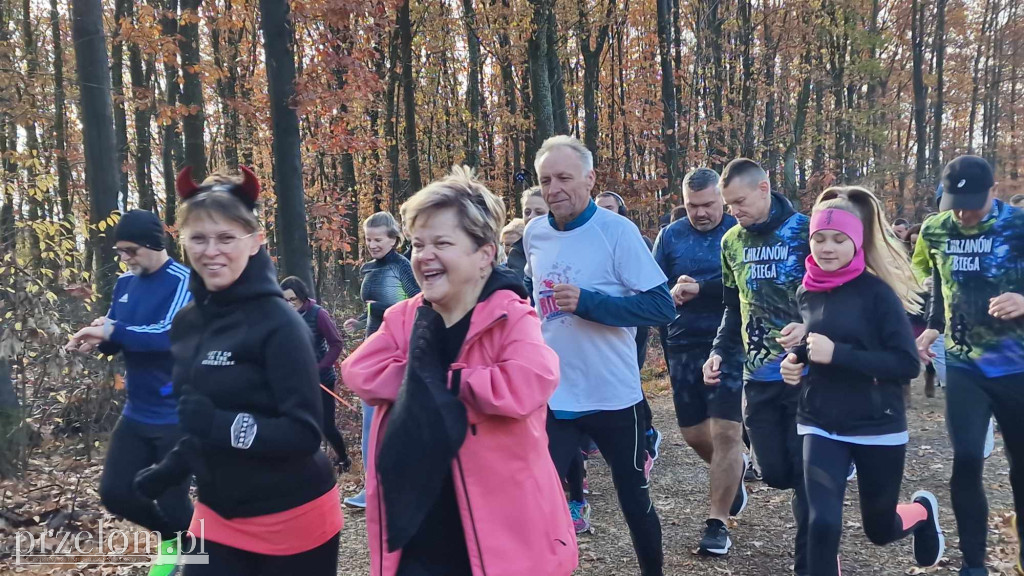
[(971, 122), (409, 98), (472, 157), (391, 124), (8, 144), (748, 92), (540, 83), (920, 91), (123, 10), (508, 84), (226, 44), (799, 121), (668, 95), (142, 101), (194, 123), (98, 141), (592, 73), (293, 240), (768, 135), (937, 108), (558, 107), (35, 194), (172, 153), (60, 133)]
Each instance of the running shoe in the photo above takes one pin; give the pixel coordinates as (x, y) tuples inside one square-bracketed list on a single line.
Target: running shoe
[(343, 465), (990, 438), (586, 486), (580, 513), (653, 443), (929, 543), (357, 501), (716, 540), (752, 474), (740, 501), (166, 562), (853, 472)]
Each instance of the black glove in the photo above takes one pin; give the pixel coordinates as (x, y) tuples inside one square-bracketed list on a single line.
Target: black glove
[(152, 482), (195, 413), (426, 337)]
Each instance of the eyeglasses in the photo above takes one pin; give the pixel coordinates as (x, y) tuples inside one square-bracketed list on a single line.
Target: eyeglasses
[(128, 252), (292, 300), (223, 240)]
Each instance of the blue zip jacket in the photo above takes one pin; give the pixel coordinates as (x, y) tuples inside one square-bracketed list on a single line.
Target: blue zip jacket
[(142, 309)]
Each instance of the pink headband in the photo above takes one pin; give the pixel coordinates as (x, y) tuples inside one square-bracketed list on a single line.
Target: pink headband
[(841, 221)]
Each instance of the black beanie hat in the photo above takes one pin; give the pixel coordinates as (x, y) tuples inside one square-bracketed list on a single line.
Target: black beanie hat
[(141, 227)]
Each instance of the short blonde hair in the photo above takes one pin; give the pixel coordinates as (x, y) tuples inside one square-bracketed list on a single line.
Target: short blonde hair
[(515, 226), (563, 141), (481, 214)]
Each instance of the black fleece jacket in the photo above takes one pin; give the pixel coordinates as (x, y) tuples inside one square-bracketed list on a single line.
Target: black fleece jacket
[(861, 392), (246, 351)]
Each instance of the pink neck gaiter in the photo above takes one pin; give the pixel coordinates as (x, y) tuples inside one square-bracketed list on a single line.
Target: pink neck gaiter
[(818, 280)]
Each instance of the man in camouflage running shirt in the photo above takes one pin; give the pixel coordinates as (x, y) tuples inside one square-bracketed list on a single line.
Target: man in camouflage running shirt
[(977, 247)]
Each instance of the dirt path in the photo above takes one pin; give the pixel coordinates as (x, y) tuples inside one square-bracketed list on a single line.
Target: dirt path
[(763, 535)]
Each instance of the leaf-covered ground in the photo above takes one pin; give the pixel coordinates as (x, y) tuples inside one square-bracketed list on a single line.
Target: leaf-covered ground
[(762, 536)]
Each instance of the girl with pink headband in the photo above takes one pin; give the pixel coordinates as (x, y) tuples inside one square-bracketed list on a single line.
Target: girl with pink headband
[(858, 353)]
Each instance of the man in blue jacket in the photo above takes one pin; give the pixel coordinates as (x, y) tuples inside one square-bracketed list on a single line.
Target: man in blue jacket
[(710, 417), (144, 303)]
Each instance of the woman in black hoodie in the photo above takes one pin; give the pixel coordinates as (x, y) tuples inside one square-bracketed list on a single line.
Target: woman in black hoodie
[(859, 349), (249, 403)]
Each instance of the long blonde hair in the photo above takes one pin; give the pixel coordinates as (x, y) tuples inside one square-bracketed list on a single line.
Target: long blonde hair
[(884, 254)]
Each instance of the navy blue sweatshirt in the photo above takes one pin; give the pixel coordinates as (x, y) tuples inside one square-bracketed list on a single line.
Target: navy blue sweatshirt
[(142, 309), (681, 250)]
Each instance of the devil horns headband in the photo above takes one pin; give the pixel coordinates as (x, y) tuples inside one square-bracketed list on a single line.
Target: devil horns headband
[(248, 191)]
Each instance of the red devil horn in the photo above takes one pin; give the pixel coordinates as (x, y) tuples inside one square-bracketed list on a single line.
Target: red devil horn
[(250, 185), (184, 184)]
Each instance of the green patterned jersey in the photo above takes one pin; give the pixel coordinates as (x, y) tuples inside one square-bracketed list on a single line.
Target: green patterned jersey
[(975, 265), (766, 269)]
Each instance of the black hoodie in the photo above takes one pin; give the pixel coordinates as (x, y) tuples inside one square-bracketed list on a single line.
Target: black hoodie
[(860, 393), (247, 350)]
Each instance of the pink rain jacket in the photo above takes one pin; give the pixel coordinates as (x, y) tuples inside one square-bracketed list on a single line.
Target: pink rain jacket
[(510, 498)]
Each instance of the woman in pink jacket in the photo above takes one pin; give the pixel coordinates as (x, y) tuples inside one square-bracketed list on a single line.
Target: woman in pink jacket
[(459, 478)]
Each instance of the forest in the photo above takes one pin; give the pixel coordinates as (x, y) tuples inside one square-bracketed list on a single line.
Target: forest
[(347, 107)]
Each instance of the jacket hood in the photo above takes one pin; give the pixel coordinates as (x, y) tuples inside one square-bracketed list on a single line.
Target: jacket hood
[(502, 278), (258, 280), (780, 211)]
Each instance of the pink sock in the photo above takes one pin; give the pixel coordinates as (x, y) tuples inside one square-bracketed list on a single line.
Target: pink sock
[(911, 514)]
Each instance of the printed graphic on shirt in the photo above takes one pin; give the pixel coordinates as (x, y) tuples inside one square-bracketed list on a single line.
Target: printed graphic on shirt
[(766, 269), (218, 358), (560, 273), (976, 265)]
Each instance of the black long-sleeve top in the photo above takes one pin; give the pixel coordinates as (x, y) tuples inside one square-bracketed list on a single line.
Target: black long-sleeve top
[(860, 393)]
